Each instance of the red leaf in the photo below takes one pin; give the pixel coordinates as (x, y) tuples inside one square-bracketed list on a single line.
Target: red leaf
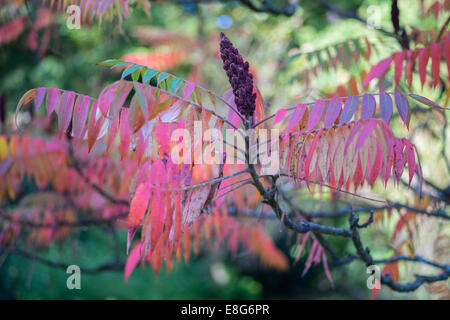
[(411, 158), (411, 56), (316, 114), (435, 62), (447, 54), (378, 70), (423, 61), (133, 260), (398, 159), (385, 106), (138, 208), (158, 209), (398, 61), (376, 165), (367, 106)]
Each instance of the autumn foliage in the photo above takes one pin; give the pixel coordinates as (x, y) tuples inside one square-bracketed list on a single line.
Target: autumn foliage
[(112, 154)]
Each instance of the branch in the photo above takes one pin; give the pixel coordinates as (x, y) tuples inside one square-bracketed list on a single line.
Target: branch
[(93, 185), (108, 266), (364, 255), (63, 223)]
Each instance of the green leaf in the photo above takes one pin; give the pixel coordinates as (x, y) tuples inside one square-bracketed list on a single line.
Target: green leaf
[(293, 57), (357, 46), (319, 58), (130, 70), (425, 101), (135, 75), (142, 100), (120, 64), (175, 84), (149, 74), (162, 76), (109, 62)]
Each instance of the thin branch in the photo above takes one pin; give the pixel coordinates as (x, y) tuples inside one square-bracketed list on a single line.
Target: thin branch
[(443, 28), (63, 223), (386, 279), (93, 185), (108, 266)]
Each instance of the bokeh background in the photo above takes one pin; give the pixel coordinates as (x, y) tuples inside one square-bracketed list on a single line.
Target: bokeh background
[(183, 39)]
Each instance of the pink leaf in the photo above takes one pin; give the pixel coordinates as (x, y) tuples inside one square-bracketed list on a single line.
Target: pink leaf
[(334, 107), (310, 259), (52, 100), (327, 269), (188, 89), (80, 115), (316, 114), (138, 208), (297, 115), (279, 116), (367, 106), (365, 132), (133, 260), (94, 126), (302, 248), (385, 106), (402, 107), (112, 133), (309, 157), (378, 70), (39, 97), (349, 109), (125, 133), (64, 110)]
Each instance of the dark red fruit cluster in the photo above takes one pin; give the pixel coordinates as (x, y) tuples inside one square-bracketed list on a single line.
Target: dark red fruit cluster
[(240, 78)]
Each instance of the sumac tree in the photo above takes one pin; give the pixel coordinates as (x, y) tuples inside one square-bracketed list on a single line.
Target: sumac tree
[(184, 165)]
